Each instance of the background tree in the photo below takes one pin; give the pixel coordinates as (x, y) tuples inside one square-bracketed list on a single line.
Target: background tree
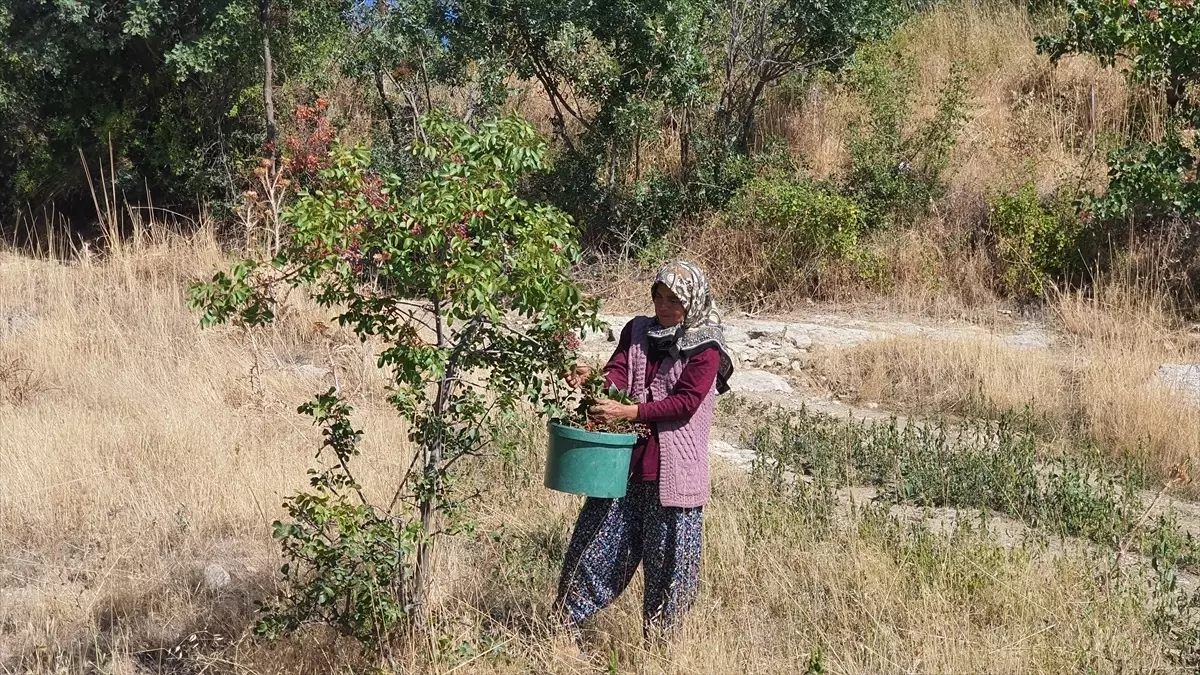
[(176, 88), (1153, 183), (766, 40)]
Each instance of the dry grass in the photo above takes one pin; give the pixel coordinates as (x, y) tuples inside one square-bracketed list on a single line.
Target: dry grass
[(1123, 334), (965, 378), (146, 450), (776, 595), (1099, 382), (149, 449), (1028, 121), (1025, 114), (138, 449)]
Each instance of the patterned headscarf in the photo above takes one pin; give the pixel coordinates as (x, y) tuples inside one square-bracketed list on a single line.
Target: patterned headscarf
[(701, 327)]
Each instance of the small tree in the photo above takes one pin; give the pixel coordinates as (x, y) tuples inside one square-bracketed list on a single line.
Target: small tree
[(466, 287)]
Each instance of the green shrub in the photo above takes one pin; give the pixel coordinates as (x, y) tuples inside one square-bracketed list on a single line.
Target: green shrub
[(1036, 243), (652, 208), (722, 172), (896, 167), (464, 256), (1153, 184), (798, 228)]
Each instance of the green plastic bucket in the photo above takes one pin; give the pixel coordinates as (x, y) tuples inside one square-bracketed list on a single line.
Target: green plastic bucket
[(587, 462)]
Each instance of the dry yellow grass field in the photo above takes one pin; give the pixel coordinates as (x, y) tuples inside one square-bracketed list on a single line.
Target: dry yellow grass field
[(140, 450), (1099, 382)]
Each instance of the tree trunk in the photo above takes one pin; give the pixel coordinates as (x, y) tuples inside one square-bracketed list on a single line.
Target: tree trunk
[(387, 106), (435, 458), (264, 17), (687, 168), (423, 575), (744, 140)]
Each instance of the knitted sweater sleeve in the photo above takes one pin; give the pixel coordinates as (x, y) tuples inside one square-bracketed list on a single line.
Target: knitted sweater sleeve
[(695, 382)]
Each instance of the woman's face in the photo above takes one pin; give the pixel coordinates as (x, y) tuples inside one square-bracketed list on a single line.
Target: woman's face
[(668, 308)]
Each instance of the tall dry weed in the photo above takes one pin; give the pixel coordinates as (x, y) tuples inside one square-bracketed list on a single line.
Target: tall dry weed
[(962, 378)]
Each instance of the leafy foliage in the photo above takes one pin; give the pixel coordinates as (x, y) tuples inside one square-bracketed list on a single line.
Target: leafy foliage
[(895, 170), (797, 228), (1037, 244), (765, 40), (982, 464), (465, 288), (1160, 39), (994, 466), (1152, 183), (349, 565), (174, 87), (592, 390)]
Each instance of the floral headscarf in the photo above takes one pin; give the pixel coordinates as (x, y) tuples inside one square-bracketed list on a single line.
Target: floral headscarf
[(701, 327)]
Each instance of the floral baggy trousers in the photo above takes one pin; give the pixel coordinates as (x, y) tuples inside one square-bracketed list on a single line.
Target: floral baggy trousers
[(612, 536)]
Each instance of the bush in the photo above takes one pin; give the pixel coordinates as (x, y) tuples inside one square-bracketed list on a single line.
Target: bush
[(651, 209), (799, 229), (895, 174), (722, 172), (1153, 185), (1036, 243), (464, 290)]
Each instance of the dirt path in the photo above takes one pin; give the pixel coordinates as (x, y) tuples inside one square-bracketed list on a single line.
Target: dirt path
[(774, 357)]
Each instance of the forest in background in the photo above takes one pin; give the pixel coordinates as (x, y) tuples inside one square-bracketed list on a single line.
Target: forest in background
[(956, 153)]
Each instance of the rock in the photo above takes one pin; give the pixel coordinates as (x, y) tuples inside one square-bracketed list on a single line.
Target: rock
[(797, 366), (766, 329), (215, 577), (758, 381), (798, 339), (739, 457), (734, 335), (1182, 378)]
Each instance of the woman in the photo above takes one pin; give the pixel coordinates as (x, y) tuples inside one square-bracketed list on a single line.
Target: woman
[(673, 364)]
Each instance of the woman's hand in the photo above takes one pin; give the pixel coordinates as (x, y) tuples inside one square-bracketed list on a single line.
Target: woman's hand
[(610, 411), (580, 375)]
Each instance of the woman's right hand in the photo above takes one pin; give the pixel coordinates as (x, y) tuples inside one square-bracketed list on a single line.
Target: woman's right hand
[(580, 375)]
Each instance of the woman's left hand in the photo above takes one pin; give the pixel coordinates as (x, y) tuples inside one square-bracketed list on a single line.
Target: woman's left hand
[(609, 411)]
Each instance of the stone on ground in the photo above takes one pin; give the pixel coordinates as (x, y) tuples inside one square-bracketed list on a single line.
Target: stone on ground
[(758, 381)]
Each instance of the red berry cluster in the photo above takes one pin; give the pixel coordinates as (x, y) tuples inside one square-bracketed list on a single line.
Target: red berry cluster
[(619, 427), (307, 152), (460, 228), (568, 340), (372, 190)]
